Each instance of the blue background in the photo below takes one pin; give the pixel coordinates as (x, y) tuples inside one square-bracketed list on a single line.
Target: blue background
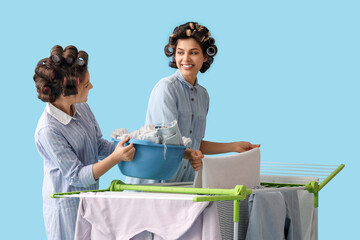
[(286, 76)]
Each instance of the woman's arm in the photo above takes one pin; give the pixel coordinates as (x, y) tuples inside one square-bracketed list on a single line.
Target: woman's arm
[(217, 148)]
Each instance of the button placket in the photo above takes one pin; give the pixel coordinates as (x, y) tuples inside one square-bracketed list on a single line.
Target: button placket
[(82, 128), (192, 99)]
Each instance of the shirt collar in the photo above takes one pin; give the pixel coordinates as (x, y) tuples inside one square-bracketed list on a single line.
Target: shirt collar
[(60, 115), (182, 79)]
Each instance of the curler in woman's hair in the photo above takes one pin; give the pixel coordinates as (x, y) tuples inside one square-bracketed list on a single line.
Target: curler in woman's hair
[(188, 32), (211, 41), (211, 51), (169, 50)]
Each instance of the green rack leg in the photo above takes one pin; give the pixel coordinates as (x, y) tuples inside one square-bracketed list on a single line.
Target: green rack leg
[(331, 176)]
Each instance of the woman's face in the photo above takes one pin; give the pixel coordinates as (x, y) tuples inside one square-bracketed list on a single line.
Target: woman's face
[(83, 89), (189, 58)]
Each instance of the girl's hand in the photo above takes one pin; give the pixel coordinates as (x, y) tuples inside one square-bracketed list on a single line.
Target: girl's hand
[(244, 146), (195, 158), (122, 153)]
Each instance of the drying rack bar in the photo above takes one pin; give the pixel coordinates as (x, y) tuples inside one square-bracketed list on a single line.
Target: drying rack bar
[(238, 193), (321, 171)]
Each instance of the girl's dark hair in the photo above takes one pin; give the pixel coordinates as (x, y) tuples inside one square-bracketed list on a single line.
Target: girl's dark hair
[(202, 36), (60, 73)]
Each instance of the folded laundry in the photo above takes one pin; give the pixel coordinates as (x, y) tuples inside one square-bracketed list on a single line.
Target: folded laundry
[(161, 134), (240, 168)]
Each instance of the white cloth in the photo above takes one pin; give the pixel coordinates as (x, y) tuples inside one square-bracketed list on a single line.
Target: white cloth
[(147, 132), (308, 215), (165, 134), (122, 219), (229, 171)]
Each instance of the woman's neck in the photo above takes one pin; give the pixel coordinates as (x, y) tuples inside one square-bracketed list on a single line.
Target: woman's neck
[(190, 79)]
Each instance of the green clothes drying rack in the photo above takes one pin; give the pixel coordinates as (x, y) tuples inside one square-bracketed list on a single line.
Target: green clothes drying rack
[(237, 194)]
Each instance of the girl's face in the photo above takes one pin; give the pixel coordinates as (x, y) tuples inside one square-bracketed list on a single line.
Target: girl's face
[(189, 58), (83, 89)]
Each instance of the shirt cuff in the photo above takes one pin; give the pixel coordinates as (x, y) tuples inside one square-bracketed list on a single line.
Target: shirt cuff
[(88, 175)]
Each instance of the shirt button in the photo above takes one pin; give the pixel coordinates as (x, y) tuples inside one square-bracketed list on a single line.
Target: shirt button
[(192, 99), (192, 89), (192, 115), (78, 123), (184, 167), (190, 132)]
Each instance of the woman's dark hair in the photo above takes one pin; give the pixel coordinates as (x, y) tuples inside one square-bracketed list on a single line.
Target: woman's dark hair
[(60, 73), (202, 36)]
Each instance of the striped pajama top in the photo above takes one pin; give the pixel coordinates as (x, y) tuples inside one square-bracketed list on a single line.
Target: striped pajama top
[(69, 147)]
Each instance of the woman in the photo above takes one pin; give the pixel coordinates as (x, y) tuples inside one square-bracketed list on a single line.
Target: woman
[(69, 139), (180, 97)]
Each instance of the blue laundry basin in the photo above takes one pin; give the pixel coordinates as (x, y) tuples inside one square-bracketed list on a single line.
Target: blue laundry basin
[(150, 161)]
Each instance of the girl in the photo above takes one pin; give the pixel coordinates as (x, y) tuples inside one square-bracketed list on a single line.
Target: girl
[(180, 97), (69, 139)]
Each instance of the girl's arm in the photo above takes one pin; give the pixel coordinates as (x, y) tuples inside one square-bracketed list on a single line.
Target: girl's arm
[(54, 146), (120, 153)]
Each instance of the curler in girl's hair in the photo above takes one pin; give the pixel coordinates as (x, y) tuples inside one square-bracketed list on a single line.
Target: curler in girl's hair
[(56, 58), (80, 62), (82, 59), (56, 54), (70, 54), (69, 60), (46, 90)]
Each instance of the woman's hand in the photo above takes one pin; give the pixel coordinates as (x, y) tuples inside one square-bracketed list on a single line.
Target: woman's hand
[(195, 158), (243, 146), (122, 153)]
